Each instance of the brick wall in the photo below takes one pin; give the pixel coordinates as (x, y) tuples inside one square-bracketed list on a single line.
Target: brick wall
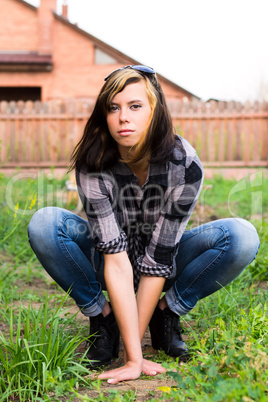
[(18, 27), (74, 74), (46, 26)]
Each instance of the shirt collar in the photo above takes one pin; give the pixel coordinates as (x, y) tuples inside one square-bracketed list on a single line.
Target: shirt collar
[(158, 174)]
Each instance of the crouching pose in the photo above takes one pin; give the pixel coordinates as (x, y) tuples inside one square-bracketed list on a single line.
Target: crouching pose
[(139, 183)]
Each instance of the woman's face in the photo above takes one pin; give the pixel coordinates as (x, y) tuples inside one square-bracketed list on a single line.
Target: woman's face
[(129, 116)]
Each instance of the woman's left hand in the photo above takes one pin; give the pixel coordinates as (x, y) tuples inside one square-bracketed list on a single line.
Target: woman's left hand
[(152, 368), (148, 367)]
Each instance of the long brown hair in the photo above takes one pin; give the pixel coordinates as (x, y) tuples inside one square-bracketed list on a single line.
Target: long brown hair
[(97, 151)]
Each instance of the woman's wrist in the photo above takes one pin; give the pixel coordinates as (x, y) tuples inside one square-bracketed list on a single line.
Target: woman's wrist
[(137, 363), (136, 360)]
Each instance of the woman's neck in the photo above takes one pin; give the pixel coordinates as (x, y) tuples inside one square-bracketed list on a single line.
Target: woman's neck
[(140, 169)]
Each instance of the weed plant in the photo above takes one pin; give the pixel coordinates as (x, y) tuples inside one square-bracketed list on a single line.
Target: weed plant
[(39, 353), (19, 199)]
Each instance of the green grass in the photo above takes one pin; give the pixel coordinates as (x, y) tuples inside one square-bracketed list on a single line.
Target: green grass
[(246, 198), (227, 332), (229, 341), (19, 198), (39, 352)]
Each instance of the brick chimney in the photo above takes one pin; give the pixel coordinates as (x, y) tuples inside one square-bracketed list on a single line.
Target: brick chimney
[(45, 21), (64, 12)]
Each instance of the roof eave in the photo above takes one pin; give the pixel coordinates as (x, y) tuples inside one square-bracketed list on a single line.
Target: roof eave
[(27, 5), (121, 57), (26, 67)]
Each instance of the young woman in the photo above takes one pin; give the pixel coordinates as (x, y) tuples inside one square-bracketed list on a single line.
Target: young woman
[(139, 183)]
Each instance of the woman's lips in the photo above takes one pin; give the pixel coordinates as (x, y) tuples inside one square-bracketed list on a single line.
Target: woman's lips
[(124, 133)]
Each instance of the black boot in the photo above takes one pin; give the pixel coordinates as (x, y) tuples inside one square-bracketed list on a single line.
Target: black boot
[(166, 333), (103, 340)]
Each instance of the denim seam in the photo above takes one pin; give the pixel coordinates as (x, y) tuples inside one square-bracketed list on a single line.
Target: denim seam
[(87, 305), (61, 241), (226, 234), (183, 304)]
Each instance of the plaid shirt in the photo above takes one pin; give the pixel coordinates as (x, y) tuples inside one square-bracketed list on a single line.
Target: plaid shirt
[(146, 221)]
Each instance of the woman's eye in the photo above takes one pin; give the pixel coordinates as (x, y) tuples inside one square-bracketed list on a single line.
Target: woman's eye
[(113, 108), (135, 107)]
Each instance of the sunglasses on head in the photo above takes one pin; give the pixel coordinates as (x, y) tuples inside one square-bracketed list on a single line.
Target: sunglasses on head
[(143, 69)]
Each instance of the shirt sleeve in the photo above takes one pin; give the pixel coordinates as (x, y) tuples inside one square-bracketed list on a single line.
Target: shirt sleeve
[(95, 192), (158, 259)]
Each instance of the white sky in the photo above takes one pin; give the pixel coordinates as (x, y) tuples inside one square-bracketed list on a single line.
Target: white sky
[(213, 48)]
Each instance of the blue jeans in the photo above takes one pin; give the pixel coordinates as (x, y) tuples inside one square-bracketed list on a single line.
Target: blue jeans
[(209, 257)]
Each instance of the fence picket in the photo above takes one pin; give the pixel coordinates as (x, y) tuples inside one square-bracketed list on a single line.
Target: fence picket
[(264, 152), (36, 134)]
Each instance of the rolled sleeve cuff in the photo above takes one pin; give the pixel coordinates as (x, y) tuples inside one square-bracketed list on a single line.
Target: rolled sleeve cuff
[(146, 266), (113, 246)]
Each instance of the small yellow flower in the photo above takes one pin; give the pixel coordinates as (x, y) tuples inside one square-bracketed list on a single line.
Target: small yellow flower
[(16, 210), (164, 389), (33, 202)]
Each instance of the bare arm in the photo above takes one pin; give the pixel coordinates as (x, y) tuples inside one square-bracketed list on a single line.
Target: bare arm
[(119, 282), (149, 291), (148, 295)]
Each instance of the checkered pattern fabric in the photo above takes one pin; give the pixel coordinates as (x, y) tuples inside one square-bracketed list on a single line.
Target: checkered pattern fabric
[(146, 221)]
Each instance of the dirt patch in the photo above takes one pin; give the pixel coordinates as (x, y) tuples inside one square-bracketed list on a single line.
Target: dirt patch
[(144, 389)]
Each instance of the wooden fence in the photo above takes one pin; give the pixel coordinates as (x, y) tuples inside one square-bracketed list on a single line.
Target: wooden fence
[(35, 134)]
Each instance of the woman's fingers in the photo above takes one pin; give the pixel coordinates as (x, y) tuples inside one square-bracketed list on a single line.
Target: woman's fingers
[(152, 368), (130, 372), (149, 372)]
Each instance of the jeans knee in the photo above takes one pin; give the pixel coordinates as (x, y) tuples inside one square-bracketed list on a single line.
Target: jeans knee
[(41, 223), (249, 241)]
